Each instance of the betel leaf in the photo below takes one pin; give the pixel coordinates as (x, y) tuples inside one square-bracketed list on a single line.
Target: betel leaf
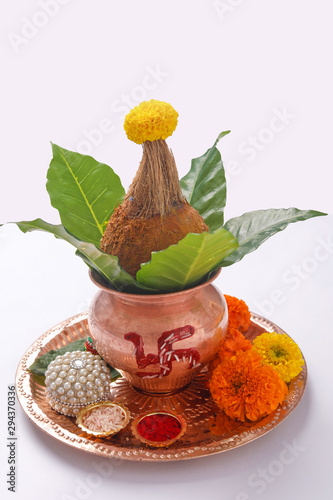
[(39, 367), (186, 264), (106, 265), (84, 191), (253, 228), (204, 186)]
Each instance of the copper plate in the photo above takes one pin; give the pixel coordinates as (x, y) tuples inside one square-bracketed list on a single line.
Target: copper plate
[(208, 431)]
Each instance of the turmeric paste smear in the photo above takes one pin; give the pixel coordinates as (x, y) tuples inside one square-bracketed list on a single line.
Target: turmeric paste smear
[(132, 239)]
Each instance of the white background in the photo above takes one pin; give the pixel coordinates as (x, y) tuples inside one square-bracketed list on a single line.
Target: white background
[(69, 68)]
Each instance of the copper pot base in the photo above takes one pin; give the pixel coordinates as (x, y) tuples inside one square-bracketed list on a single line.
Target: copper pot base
[(160, 394)]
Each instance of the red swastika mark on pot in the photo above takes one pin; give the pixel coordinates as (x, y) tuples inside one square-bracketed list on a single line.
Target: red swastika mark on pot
[(166, 354)]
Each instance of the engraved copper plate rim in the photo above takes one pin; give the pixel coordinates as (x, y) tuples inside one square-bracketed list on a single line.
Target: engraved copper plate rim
[(194, 403)]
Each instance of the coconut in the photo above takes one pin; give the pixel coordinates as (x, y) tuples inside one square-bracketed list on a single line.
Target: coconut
[(154, 213)]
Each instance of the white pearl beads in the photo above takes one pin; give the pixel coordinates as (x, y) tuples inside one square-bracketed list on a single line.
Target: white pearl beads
[(75, 380)]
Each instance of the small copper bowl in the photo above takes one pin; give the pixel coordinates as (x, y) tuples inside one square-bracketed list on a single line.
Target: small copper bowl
[(81, 415), (158, 428)]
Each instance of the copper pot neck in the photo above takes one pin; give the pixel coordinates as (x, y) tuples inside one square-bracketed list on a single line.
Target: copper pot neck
[(100, 283)]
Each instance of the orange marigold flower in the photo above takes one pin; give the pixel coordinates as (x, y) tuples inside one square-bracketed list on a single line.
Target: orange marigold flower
[(233, 343), (239, 314), (245, 389)]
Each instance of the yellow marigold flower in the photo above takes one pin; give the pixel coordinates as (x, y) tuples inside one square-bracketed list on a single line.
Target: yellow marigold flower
[(150, 121), (280, 352)]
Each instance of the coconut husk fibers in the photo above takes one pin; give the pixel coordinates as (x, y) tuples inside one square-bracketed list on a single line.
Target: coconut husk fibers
[(155, 188), (154, 213)]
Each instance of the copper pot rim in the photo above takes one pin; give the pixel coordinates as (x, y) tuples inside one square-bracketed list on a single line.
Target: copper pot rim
[(101, 283)]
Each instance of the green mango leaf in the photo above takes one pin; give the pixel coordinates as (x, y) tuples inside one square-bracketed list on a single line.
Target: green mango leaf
[(187, 264), (205, 188), (84, 191), (106, 265), (39, 367), (253, 228)]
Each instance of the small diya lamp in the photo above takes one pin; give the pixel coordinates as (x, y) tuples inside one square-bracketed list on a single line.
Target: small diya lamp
[(103, 419), (159, 428), (75, 380)]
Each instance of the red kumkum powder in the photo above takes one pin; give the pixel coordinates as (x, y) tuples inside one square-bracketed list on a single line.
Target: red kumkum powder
[(159, 427)]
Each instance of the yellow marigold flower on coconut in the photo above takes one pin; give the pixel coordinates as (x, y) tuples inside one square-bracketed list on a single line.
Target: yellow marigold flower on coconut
[(280, 352), (150, 121)]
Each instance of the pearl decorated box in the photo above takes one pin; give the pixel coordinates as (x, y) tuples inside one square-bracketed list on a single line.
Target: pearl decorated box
[(75, 380)]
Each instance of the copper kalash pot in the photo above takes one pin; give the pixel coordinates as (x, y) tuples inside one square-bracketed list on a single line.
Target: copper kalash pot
[(159, 343)]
